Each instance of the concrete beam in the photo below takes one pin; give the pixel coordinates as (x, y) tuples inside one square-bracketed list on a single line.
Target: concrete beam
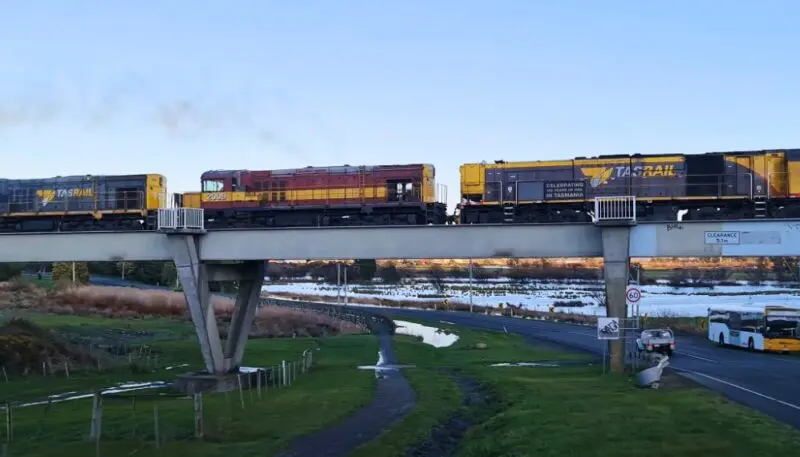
[(84, 247), (415, 242), (227, 272), (717, 239)]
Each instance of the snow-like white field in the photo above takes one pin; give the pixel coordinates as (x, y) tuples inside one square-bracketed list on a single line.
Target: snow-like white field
[(657, 300)]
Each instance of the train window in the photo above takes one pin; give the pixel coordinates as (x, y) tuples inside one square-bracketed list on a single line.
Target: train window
[(213, 185)]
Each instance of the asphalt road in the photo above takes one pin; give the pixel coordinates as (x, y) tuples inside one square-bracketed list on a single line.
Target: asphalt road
[(769, 383)]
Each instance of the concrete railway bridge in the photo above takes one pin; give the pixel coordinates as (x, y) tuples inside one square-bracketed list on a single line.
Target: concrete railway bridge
[(239, 255)]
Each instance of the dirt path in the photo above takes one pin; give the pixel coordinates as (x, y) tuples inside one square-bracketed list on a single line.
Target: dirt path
[(478, 403), (393, 400)]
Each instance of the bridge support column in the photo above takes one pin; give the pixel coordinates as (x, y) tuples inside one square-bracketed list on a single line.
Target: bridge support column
[(195, 276), (616, 262), (248, 298)]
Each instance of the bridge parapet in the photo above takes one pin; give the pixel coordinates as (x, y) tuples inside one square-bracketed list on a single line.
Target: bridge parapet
[(181, 220)]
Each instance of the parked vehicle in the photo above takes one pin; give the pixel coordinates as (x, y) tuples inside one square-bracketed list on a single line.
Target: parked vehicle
[(661, 340)]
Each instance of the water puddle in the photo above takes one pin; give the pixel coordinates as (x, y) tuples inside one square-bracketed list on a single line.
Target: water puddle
[(74, 395), (434, 336), (381, 366), (546, 363)]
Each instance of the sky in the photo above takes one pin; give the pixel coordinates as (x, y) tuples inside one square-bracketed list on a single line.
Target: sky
[(179, 87)]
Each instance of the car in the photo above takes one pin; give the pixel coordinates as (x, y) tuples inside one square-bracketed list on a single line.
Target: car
[(660, 340)]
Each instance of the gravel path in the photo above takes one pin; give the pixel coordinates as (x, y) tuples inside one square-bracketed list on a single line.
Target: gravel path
[(393, 400)]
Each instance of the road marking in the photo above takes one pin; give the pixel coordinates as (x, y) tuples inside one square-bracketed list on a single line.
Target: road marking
[(766, 397), (579, 333), (697, 357)]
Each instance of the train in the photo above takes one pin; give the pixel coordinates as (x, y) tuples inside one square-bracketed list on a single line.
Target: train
[(709, 186), (82, 203), (320, 197)]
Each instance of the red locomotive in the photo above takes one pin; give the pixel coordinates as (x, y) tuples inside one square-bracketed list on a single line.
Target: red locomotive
[(320, 196)]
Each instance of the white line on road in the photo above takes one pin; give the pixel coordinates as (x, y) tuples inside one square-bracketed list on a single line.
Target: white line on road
[(697, 357), (745, 389)]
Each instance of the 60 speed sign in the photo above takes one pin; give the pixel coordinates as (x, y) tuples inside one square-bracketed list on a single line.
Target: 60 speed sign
[(633, 295)]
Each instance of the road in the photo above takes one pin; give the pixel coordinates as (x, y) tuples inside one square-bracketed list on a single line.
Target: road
[(769, 383)]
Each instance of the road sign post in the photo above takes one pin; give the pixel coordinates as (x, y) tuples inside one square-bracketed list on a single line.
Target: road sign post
[(632, 297), (608, 328)]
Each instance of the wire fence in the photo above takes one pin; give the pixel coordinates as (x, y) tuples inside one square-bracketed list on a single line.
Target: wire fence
[(124, 421)]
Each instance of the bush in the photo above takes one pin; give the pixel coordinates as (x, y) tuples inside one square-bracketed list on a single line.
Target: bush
[(62, 272)]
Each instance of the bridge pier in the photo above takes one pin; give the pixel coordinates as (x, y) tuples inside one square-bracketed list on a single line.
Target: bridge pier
[(616, 263), (615, 216), (194, 277)]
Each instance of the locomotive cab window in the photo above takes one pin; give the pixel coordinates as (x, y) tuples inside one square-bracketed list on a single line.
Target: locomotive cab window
[(213, 185), (400, 190)]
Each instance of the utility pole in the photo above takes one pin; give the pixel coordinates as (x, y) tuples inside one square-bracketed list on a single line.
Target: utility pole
[(338, 283), (73, 273), (345, 285), (470, 286)]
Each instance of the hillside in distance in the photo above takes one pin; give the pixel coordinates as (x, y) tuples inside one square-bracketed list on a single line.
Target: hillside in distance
[(664, 263)]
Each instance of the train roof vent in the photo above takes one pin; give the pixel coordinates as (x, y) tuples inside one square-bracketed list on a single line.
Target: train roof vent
[(499, 161)]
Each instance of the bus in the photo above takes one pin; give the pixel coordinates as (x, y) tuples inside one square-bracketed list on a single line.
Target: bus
[(757, 328)]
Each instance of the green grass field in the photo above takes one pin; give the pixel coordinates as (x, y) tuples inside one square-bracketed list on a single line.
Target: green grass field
[(571, 410), (521, 411), (233, 425)]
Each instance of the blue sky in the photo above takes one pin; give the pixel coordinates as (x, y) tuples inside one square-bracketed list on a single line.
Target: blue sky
[(179, 87)]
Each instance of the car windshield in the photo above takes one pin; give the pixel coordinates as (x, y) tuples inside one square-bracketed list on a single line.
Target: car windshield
[(658, 333)]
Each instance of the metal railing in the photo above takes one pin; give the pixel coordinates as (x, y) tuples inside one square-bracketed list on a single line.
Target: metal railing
[(181, 219), (619, 208), (441, 193)]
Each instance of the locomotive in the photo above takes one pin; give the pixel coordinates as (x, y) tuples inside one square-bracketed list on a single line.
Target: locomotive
[(320, 196), (709, 186), (81, 203), (714, 185)]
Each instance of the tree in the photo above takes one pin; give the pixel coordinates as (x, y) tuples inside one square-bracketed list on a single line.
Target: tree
[(10, 270), (62, 272), (169, 274), (785, 269), (389, 274), (759, 272), (366, 269), (126, 268)]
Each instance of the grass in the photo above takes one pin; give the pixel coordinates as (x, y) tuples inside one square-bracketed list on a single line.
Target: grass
[(570, 410), (333, 390)]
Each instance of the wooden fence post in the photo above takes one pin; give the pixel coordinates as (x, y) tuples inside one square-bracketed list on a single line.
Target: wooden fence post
[(198, 415)]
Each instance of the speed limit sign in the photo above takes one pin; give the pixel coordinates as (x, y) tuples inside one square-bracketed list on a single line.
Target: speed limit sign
[(633, 295)]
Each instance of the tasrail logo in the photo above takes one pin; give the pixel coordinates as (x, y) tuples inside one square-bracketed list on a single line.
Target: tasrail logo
[(48, 195), (602, 175)]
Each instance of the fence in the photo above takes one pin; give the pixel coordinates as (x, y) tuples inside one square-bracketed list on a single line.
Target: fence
[(114, 422)]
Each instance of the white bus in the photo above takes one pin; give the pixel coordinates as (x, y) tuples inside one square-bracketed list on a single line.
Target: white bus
[(759, 328)]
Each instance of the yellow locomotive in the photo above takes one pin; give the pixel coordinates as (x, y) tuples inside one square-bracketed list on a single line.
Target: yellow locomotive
[(715, 185)]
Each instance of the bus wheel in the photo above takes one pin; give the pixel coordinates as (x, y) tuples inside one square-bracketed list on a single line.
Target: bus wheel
[(750, 345), (721, 339)]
